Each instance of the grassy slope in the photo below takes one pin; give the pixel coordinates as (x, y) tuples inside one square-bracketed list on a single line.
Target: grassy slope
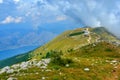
[(102, 49), (96, 56), (65, 42)]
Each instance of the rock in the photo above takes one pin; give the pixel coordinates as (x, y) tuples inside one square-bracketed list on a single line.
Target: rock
[(114, 61), (67, 65), (60, 73), (94, 45), (48, 70), (10, 71), (11, 78), (16, 66), (34, 62), (107, 61), (36, 73), (5, 69), (24, 65), (86, 69), (46, 60), (39, 64), (43, 67), (115, 67), (43, 78)]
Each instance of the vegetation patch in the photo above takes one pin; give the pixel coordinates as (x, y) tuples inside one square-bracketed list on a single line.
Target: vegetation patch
[(76, 33), (57, 59)]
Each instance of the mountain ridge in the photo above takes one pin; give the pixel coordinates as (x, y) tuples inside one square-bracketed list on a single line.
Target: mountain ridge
[(66, 38), (80, 54)]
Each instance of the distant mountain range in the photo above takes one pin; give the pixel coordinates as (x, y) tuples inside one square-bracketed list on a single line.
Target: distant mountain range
[(13, 52), (16, 39)]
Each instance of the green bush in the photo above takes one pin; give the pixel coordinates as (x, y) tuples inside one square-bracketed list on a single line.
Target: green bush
[(53, 53), (56, 58), (48, 54), (108, 50), (77, 33), (56, 67), (70, 50), (56, 78)]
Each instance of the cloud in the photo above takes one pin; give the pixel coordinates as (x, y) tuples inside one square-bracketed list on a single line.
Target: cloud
[(39, 12), (16, 1), (1, 1), (10, 19), (93, 13), (61, 18)]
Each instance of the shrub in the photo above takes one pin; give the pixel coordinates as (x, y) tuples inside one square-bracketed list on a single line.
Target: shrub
[(56, 78), (56, 67), (70, 50), (108, 50), (53, 53), (58, 60), (48, 55), (77, 33)]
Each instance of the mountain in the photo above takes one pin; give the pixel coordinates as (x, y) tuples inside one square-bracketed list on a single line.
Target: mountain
[(80, 54), (74, 39)]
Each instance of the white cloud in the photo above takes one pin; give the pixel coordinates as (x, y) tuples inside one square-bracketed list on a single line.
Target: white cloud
[(87, 12), (92, 13), (91, 4), (16, 1), (10, 19), (39, 11), (1, 1), (61, 18)]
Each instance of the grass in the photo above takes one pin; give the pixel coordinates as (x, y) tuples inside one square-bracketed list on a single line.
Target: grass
[(73, 39), (95, 56), (100, 69)]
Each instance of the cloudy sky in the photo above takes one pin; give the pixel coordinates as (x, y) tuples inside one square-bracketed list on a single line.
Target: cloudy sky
[(35, 12), (27, 22), (53, 17), (81, 12)]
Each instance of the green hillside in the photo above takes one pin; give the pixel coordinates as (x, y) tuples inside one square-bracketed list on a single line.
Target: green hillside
[(74, 39), (80, 54), (14, 60), (69, 40)]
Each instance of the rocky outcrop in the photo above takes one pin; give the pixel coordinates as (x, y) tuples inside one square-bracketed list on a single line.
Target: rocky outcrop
[(25, 65)]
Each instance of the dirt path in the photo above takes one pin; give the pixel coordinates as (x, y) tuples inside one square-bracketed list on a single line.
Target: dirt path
[(89, 39)]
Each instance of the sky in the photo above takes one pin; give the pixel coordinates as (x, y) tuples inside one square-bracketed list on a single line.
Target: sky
[(93, 13), (27, 22)]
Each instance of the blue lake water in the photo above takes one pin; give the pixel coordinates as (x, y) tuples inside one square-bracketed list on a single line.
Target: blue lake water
[(13, 52)]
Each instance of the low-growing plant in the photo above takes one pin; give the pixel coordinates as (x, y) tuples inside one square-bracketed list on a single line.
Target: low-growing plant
[(108, 50), (70, 50), (56, 58), (56, 67)]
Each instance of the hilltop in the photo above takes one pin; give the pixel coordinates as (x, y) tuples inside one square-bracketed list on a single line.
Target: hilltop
[(80, 54), (74, 39)]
